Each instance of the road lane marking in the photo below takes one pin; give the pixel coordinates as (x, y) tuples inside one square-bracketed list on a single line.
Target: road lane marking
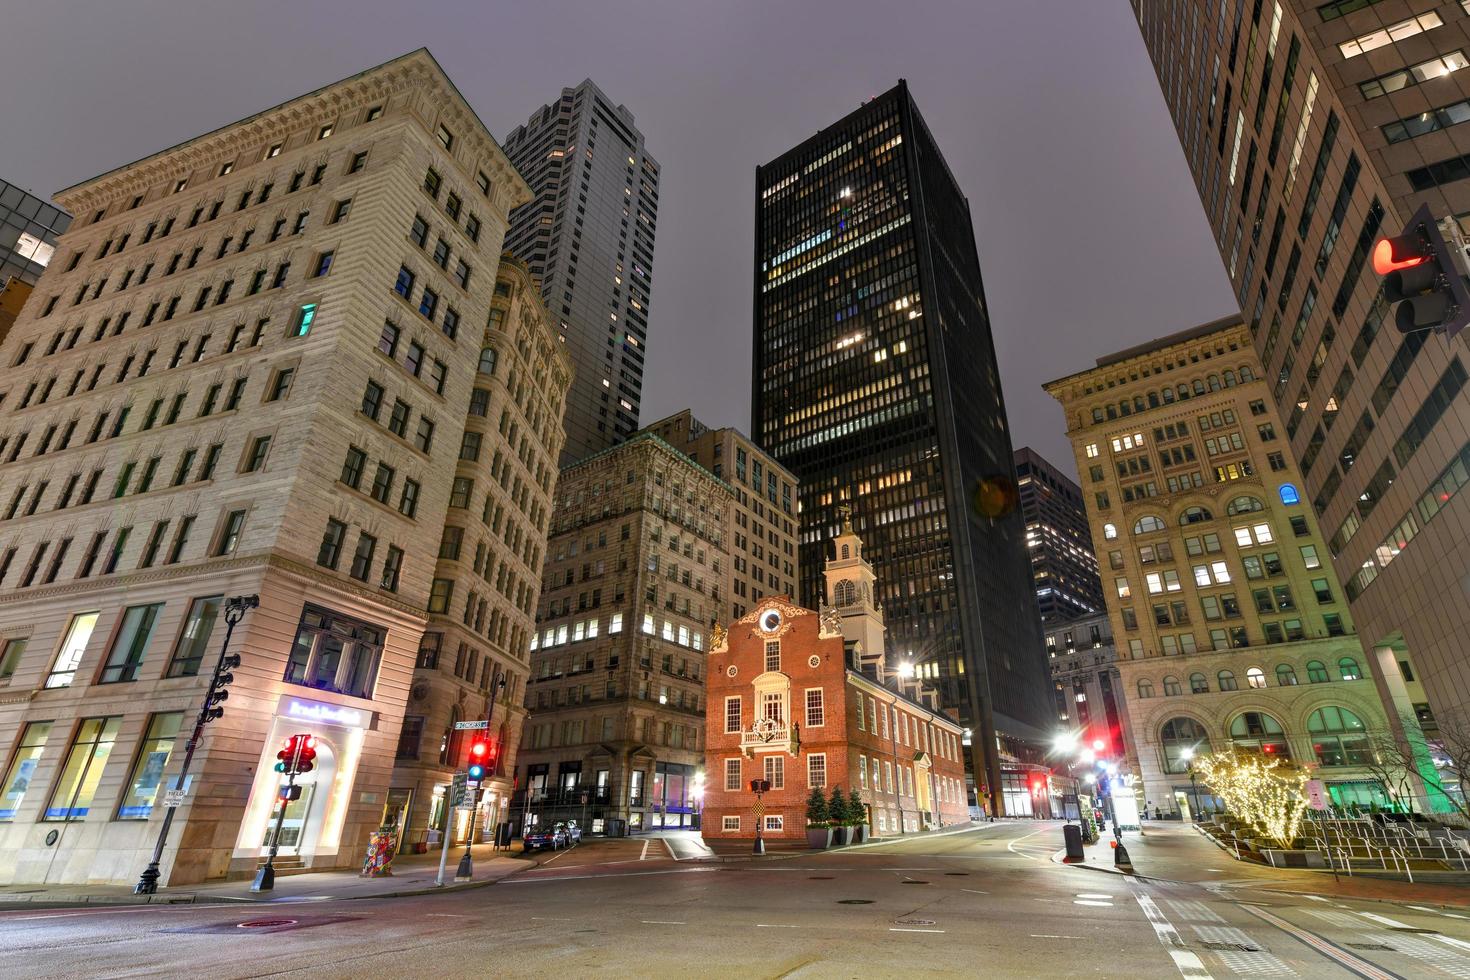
[(661, 922), (1103, 895), (768, 925), (132, 908), (1317, 898), (1098, 905), (1326, 947), (644, 855), (974, 891), (1451, 940), (897, 929), (1187, 963), (631, 874), (1384, 920), (1419, 908), (1038, 935), (1012, 845)]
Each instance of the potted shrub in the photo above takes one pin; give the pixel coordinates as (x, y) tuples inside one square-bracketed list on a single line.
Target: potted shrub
[(857, 817), (837, 815), (818, 832)]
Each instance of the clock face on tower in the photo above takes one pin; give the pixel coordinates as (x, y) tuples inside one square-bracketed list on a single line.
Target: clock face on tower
[(770, 621)]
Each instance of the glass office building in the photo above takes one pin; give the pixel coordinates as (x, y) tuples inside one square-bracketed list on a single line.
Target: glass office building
[(875, 382), (28, 230)]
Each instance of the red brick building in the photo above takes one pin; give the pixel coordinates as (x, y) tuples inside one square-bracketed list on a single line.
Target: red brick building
[(805, 699)]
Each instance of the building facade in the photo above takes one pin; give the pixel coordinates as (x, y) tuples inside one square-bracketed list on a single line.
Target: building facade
[(790, 703), (473, 659), (1311, 131), (875, 382), (1231, 628), (241, 374), (1065, 569), (633, 585), (1091, 699), (764, 538), (595, 210), (29, 227)]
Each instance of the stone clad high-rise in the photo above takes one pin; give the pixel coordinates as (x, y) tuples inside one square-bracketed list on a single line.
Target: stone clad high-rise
[(247, 371), (587, 235), (875, 383)]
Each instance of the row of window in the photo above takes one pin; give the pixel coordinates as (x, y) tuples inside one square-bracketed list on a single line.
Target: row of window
[(1347, 667), (1339, 738)]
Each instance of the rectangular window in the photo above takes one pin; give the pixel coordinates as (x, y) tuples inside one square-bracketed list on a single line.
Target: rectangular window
[(362, 559), (730, 824), (23, 767), (78, 634), (131, 643), (732, 715), (71, 797), (775, 771), (331, 547), (193, 642), (141, 790), (333, 652), (815, 710), (732, 776), (773, 655), (816, 770)]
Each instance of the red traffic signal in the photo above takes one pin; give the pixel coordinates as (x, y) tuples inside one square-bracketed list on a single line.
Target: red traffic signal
[(1424, 277), (306, 759), (298, 755), (480, 756), (1403, 252)]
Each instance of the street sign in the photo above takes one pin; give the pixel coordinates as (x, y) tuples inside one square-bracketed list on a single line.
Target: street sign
[(466, 726), (458, 790), (759, 808), (174, 797), (1316, 794)]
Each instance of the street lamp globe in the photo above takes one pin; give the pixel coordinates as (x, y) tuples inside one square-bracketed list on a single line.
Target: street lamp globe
[(1186, 753), (905, 670)]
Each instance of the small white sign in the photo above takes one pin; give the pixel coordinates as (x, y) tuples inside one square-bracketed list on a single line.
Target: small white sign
[(1316, 794), (465, 726), (174, 797)]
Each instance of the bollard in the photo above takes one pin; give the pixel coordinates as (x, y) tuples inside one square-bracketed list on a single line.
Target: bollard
[(1120, 858)]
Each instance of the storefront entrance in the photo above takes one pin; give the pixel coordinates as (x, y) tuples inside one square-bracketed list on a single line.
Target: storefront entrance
[(293, 827)]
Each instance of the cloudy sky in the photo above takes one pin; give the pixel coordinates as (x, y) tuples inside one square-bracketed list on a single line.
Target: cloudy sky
[(1090, 233)]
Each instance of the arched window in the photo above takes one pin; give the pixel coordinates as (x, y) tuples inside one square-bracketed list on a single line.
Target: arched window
[(1348, 667), (1097, 415), (1145, 689), (1246, 374), (1229, 379), (1112, 411), (1245, 505), (1153, 399), (1285, 675), (1198, 684), (1256, 731), (1109, 532), (1168, 396), (1171, 686), (1214, 382), (1183, 392), (1255, 677), (1316, 672), (1289, 495), (1183, 739), (1199, 387), (1138, 403), (1148, 523), (488, 357), (1125, 408), (1339, 737), (1226, 680), (844, 593), (846, 551), (1195, 515)]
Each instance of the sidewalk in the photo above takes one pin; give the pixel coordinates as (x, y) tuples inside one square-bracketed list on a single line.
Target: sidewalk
[(1174, 851), (413, 874), (740, 849)]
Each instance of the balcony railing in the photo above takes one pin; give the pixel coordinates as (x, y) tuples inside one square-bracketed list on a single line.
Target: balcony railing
[(768, 736)]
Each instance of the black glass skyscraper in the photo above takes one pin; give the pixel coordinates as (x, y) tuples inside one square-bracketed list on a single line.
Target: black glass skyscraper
[(875, 382)]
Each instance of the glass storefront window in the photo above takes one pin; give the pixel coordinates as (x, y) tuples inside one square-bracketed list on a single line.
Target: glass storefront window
[(147, 774), (71, 799), (78, 634), (131, 644), (198, 626), (22, 767)]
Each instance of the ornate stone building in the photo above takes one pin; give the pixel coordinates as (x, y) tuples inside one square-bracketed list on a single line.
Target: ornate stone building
[(1231, 628), (246, 370), (473, 659)]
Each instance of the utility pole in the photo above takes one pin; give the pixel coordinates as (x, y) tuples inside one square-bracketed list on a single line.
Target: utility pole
[(235, 609)]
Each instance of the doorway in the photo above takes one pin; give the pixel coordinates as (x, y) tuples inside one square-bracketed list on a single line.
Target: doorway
[(293, 827)]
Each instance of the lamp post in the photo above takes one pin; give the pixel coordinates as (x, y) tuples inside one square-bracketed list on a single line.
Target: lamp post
[(1187, 754), (235, 609)]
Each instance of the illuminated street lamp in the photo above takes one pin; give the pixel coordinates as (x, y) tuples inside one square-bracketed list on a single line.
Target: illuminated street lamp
[(905, 670), (1065, 742), (1187, 754)]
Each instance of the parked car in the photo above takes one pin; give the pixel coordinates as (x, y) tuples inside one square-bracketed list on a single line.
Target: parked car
[(545, 838), (573, 832)]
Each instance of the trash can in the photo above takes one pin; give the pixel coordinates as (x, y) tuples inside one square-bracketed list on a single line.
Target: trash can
[(1072, 836)]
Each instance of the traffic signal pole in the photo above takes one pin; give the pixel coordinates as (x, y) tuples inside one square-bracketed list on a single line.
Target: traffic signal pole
[(235, 609)]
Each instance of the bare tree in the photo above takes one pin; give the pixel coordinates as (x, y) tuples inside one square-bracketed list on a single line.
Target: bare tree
[(1446, 757)]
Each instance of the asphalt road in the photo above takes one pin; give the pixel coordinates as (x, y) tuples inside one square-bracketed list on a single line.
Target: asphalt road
[(986, 902)]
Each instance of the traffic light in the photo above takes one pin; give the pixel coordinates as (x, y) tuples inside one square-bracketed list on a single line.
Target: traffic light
[(1422, 275), (306, 759), (297, 756), (479, 757), (217, 693)]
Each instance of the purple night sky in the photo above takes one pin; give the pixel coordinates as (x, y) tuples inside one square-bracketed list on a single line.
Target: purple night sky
[(1090, 234)]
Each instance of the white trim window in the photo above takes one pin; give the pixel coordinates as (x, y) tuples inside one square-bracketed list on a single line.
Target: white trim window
[(776, 771), (863, 771), (775, 821), (732, 715), (773, 655), (888, 776), (816, 770), (815, 713), (732, 775), (729, 824)]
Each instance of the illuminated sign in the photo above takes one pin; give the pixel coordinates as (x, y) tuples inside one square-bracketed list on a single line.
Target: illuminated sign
[(330, 714), (1289, 495)]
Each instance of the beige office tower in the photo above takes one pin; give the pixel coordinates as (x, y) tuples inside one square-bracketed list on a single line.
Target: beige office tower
[(631, 606), (1230, 627), (764, 538), (1312, 129), (247, 371)]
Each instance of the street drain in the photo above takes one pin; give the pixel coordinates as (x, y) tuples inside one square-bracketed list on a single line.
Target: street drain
[(854, 901), (265, 923), (912, 881), (1372, 947), (914, 922), (1230, 947), (818, 877), (958, 874)]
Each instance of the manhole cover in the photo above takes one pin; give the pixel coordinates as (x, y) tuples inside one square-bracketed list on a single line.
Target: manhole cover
[(912, 881), (958, 874), (265, 923), (854, 901), (1374, 947), (818, 877), (914, 922), (1230, 947)]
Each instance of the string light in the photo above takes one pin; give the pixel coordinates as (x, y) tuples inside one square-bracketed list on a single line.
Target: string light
[(1259, 792)]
